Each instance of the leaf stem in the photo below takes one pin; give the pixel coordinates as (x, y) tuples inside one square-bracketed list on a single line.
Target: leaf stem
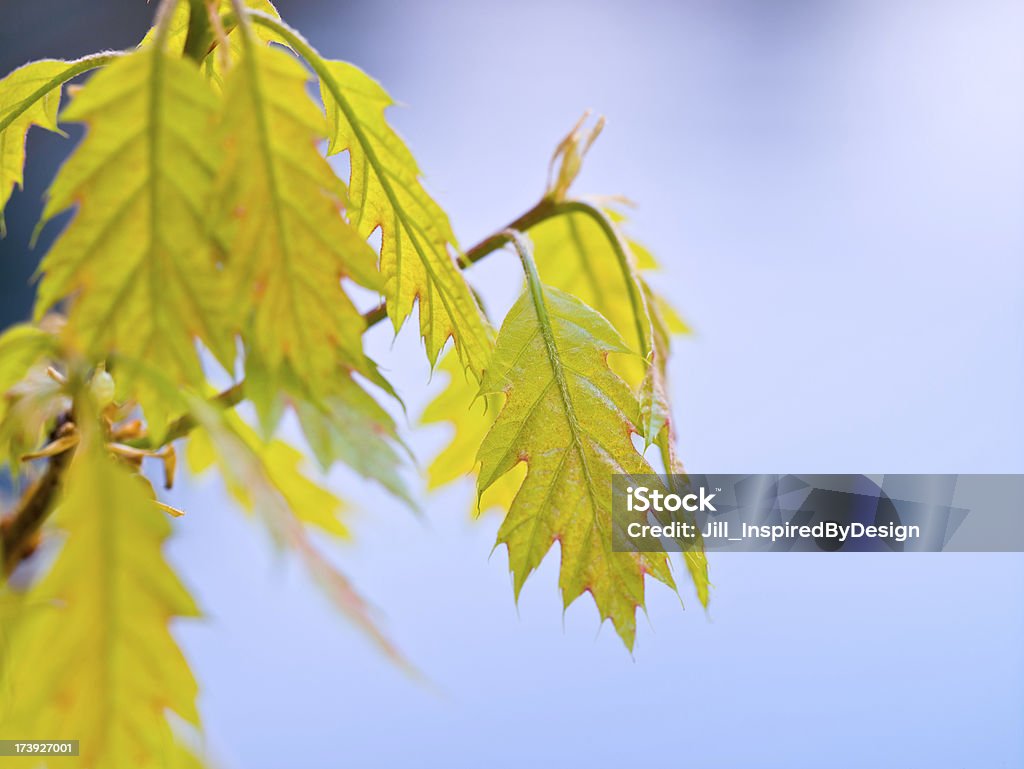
[(200, 35)]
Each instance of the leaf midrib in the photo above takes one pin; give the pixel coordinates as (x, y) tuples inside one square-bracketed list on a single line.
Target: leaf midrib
[(263, 134)]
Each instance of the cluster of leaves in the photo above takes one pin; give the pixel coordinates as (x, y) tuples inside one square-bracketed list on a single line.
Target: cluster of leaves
[(212, 239)]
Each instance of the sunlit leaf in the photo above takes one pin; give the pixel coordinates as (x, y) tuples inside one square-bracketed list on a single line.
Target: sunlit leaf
[(288, 246), (17, 116), (570, 419), (134, 258), (348, 425), (96, 661), (282, 467), (470, 417), (386, 193)]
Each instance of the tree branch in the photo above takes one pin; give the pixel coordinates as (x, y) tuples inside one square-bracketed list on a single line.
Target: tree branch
[(18, 529)]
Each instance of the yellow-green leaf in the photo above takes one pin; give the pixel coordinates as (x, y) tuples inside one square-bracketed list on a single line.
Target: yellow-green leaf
[(348, 425), (281, 465), (92, 656), (248, 478), (28, 397), (288, 246), (569, 154), (386, 193), (21, 346), (16, 117), (134, 257), (470, 417), (28, 407), (570, 418), (574, 254), (647, 320)]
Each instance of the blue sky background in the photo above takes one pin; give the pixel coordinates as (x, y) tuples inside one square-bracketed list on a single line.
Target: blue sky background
[(835, 190)]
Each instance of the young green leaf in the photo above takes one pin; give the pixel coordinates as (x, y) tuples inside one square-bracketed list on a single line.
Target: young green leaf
[(386, 193), (135, 257), (21, 347), (18, 113), (287, 245), (585, 253), (568, 156), (94, 657), (348, 425), (576, 255), (570, 419), (655, 408), (471, 417), (29, 398)]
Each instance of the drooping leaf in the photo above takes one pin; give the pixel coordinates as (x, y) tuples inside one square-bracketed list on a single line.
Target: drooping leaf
[(134, 258), (570, 418), (248, 478), (575, 254), (93, 658), (587, 254), (281, 465), (341, 420), (288, 246), (655, 410), (16, 119), (276, 495), (386, 193), (348, 425)]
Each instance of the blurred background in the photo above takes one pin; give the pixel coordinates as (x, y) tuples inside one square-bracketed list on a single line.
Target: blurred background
[(835, 191)]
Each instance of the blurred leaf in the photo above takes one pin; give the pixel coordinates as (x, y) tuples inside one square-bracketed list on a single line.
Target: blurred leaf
[(21, 346), (249, 478), (135, 255), (281, 465), (94, 659), (348, 425), (29, 407), (471, 417), (570, 419)]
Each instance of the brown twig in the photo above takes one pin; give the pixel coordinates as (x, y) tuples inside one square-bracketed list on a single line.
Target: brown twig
[(19, 529)]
